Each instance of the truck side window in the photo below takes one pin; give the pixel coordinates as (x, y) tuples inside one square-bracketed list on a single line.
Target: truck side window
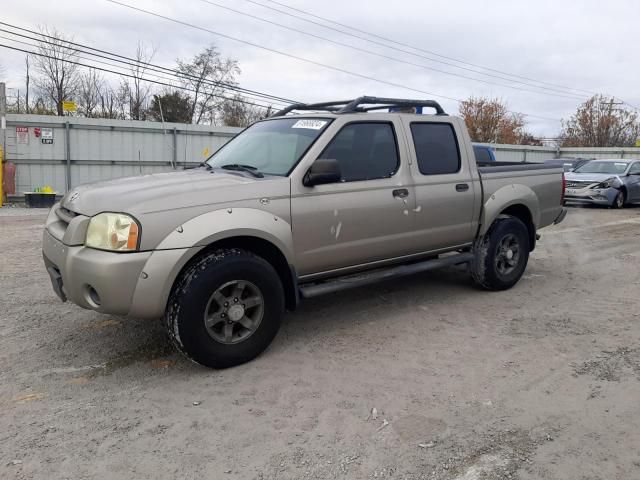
[(436, 148), (635, 169), (365, 151)]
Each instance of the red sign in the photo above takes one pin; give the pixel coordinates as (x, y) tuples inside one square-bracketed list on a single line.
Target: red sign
[(22, 135), (36, 132)]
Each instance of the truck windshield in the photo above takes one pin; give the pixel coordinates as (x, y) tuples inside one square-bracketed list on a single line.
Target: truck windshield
[(271, 147), (615, 168)]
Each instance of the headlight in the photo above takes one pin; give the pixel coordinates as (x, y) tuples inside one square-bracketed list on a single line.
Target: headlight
[(606, 184), (113, 231)]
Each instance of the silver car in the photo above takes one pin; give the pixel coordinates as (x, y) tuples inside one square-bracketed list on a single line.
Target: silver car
[(612, 183)]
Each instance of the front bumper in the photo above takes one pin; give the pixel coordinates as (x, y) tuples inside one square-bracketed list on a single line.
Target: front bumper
[(93, 279), (594, 196), (134, 284)]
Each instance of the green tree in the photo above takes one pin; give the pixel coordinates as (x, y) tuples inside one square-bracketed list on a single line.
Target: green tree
[(171, 107), (238, 112)]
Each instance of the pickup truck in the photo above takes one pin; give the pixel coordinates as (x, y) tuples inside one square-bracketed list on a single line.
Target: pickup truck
[(298, 205)]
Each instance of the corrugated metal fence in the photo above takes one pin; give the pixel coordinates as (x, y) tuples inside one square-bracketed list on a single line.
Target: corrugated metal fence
[(525, 153), (64, 152)]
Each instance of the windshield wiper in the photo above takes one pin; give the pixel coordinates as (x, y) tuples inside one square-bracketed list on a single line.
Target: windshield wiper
[(244, 168), (205, 165)]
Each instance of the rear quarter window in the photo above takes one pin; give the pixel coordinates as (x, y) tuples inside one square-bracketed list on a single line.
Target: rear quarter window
[(436, 147)]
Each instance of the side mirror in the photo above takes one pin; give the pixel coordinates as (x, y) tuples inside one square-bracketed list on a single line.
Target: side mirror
[(323, 170)]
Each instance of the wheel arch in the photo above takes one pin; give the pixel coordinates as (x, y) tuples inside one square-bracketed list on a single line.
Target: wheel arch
[(262, 248), (625, 192), (257, 231), (521, 212), (516, 200)]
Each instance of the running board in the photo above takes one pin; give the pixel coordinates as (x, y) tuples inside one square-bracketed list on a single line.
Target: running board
[(353, 281)]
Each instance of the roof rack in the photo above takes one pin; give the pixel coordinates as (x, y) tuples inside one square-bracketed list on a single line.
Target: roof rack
[(356, 105)]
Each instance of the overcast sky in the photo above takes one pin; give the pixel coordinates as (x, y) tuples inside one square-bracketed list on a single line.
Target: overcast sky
[(590, 46)]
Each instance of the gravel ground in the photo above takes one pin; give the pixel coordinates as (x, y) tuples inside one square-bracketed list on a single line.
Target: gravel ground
[(540, 382)]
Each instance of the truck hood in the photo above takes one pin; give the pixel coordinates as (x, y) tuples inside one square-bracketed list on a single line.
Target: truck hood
[(170, 191), (590, 177)]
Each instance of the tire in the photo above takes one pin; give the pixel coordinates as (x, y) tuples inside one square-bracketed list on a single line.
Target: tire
[(619, 201), (235, 333), (493, 267)]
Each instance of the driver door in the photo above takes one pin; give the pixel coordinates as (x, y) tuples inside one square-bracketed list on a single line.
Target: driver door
[(633, 183), (368, 215)]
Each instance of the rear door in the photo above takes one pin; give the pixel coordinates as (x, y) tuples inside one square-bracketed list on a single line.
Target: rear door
[(368, 215), (447, 188)]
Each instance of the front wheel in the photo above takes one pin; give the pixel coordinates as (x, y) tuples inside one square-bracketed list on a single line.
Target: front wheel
[(226, 308), (618, 202), (501, 255)]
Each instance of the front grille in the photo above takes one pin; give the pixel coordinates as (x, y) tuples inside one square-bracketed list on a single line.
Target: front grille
[(576, 184), (65, 215)]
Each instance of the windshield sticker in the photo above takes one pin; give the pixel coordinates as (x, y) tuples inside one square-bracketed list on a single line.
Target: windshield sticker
[(312, 124), (621, 164)]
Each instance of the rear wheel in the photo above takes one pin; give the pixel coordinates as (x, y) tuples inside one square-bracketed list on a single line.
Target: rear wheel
[(501, 255), (226, 308)]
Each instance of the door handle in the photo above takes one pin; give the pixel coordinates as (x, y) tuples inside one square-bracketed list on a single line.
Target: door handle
[(462, 187), (401, 193)]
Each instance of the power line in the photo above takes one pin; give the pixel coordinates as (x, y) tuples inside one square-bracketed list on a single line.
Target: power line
[(128, 61), (141, 65), (302, 59), (157, 77), (130, 76), (393, 59), (386, 39)]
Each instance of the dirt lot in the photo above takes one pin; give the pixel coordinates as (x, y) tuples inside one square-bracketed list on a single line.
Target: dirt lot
[(540, 382)]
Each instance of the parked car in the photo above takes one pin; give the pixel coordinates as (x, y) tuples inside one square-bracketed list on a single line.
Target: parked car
[(294, 207), (484, 153), (569, 164), (612, 183)]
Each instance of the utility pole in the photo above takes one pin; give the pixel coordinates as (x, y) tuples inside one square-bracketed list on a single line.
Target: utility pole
[(26, 98), (3, 135)]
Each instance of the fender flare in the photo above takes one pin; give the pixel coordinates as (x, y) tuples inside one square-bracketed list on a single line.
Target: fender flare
[(189, 239), (505, 197), (211, 227)]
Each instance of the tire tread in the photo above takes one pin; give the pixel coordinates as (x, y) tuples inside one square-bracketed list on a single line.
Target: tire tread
[(182, 286)]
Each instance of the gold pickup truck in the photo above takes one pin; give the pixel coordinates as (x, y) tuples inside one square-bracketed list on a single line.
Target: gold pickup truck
[(298, 205)]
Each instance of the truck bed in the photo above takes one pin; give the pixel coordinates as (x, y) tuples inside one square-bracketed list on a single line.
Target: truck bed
[(542, 179), (488, 167)]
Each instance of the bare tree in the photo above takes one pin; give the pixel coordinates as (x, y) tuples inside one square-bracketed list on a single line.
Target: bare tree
[(600, 122), (112, 102), (136, 89), (489, 120), (90, 88), (41, 106), (207, 75), (237, 112), (57, 78)]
